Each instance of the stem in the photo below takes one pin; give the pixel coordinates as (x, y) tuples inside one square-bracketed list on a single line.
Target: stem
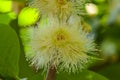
[(51, 73), (17, 6)]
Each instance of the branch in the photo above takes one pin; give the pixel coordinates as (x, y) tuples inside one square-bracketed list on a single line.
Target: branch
[(51, 73)]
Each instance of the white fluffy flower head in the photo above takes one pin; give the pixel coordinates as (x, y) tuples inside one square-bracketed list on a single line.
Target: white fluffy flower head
[(63, 46), (60, 8)]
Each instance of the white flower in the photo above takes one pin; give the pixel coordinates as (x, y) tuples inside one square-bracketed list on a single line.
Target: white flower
[(62, 46), (60, 8)]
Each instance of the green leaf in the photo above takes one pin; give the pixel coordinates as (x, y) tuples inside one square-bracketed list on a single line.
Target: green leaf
[(25, 71), (84, 75), (9, 52), (112, 71), (5, 18)]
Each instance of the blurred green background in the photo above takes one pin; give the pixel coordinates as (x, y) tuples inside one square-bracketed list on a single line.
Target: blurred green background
[(102, 15)]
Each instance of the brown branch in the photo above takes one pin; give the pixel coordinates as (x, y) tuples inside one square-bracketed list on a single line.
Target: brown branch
[(17, 6), (51, 73)]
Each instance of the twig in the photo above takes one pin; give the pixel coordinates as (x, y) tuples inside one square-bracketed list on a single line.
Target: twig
[(51, 73)]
